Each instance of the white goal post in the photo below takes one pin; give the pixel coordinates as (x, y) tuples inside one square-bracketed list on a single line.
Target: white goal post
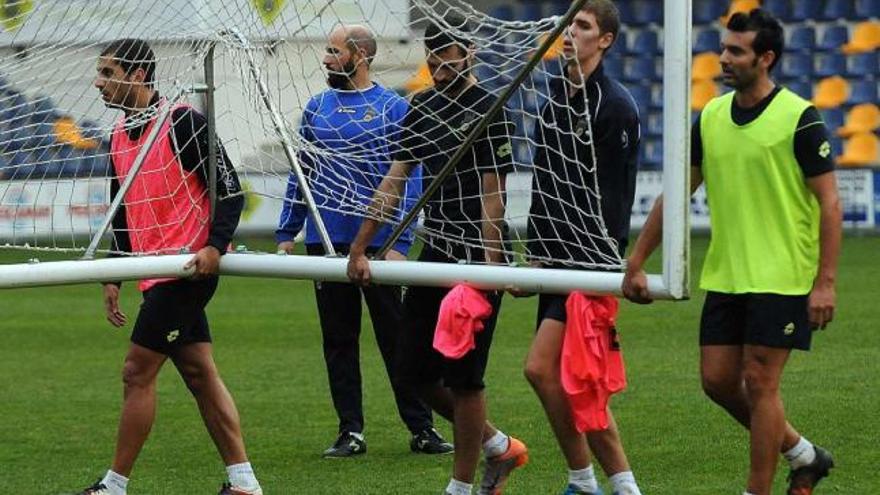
[(671, 283)]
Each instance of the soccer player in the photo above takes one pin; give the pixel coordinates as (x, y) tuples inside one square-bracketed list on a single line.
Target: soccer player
[(764, 155), (468, 207), (356, 123), (564, 139), (166, 208)]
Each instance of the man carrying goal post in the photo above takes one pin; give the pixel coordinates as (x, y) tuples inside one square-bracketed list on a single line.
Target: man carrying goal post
[(167, 209), (464, 222)]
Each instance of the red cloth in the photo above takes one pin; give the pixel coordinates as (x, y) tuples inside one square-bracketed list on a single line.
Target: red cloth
[(592, 364), (462, 312), (167, 208)]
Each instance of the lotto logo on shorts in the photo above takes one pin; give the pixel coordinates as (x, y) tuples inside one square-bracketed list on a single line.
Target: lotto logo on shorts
[(788, 329), (172, 336)]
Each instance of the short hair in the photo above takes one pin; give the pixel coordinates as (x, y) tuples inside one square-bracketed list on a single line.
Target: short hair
[(361, 38), (607, 17), (132, 54), (452, 30), (770, 35)]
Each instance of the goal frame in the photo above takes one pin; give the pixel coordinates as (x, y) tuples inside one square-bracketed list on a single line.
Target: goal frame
[(671, 283)]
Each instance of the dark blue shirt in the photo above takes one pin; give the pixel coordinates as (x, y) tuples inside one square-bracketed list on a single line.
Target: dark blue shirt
[(354, 135), (573, 180)]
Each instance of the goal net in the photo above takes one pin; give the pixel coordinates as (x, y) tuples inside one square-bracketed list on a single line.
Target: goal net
[(239, 82)]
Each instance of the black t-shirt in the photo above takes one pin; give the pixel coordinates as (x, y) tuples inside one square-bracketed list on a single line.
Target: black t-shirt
[(811, 148), (564, 219), (434, 128)]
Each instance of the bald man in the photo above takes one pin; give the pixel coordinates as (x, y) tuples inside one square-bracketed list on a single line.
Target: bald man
[(356, 123)]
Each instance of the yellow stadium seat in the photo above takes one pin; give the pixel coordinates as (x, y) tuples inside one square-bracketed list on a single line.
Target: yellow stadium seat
[(556, 48), (419, 81), (706, 66), (745, 6), (831, 92), (862, 118), (701, 92), (860, 150), (865, 38), (68, 133)]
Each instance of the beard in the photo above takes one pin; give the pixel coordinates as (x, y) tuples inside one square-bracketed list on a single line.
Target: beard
[(456, 85), (341, 79)]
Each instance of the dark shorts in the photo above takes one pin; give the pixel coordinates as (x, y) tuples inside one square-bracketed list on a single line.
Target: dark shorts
[(551, 306), (418, 362), (173, 315), (770, 320)]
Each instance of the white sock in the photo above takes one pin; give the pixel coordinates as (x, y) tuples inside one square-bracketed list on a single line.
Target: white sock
[(624, 483), (116, 483), (456, 487), (242, 476), (496, 445), (748, 493), (802, 454), (583, 479)]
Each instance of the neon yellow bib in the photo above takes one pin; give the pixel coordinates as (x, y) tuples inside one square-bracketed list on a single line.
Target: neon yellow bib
[(765, 221)]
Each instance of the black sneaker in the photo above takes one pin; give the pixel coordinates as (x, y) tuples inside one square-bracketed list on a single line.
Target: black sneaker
[(347, 445), (802, 480), (97, 489), (429, 441)]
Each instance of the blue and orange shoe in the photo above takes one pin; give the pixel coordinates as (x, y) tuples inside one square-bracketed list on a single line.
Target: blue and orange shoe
[(498, 468), (573, 490)]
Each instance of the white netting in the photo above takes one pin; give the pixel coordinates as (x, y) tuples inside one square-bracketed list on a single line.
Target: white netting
[(55, 129)]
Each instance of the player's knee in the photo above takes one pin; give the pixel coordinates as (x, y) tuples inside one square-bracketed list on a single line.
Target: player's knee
[(539, 375), (136, 375), (720, 388), (759, 381)]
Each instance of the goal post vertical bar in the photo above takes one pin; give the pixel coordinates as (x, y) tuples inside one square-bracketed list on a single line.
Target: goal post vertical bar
[(676, 150)]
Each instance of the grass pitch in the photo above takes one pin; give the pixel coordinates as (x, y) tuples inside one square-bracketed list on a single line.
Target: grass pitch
[(61, 390)]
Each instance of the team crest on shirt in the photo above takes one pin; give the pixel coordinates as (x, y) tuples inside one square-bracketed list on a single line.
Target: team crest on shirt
[(370, 114), (624, 139), (580, 128)]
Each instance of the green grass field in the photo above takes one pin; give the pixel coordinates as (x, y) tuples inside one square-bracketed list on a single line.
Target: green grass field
[(60, 389)]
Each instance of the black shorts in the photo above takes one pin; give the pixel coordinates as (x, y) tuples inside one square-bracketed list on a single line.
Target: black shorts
[(418, 363), (552, 307), (770, 320), (173, 315)]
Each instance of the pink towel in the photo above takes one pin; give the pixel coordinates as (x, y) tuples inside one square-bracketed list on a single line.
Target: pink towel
[(461, 315), (592, 364)]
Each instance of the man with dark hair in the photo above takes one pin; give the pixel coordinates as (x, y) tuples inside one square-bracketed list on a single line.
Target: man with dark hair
[(589, 123), (166, 210), (357, 121), (764, 155), (465, 222)]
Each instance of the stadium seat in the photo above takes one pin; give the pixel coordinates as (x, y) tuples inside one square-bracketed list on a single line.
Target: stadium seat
[(707, 40), (502, 12), (613, 67), (655, 124), (804, 89), (779, 8), (644, 12), (645, 42), (745, 6), (865, 9), (833, 38), (837, 10), (422, 79), (836, 146), (861, 118), (640, 69), (802, 39), (861, 150), (706, 66), (833, 118), (864, 64), (863, 91), (803, 10), (702, 91), (652, 154), (831, 64), (831, 92), (797, 65), (642, 95), (707, 11), (865, 38), (531, 10)]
